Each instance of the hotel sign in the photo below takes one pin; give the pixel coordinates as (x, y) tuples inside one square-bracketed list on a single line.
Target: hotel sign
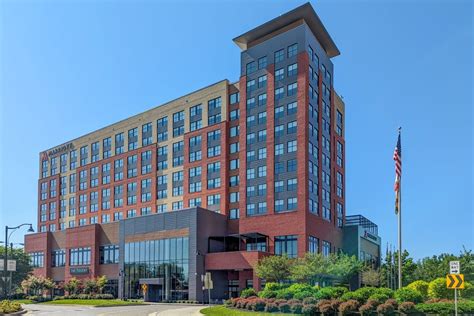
[(58, 150), (369, 235), (79, 271)]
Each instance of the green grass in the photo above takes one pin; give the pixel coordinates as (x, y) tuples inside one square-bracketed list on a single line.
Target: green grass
[(224, 311), (97, 302), (25, 301)]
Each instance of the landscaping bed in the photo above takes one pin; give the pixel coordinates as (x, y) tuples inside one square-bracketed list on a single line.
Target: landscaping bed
[(93, 302), (9, 307)]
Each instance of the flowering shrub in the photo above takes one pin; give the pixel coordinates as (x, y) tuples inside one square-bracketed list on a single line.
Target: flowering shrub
[(271, 308), (349, 307), (9, 307), (296, 308), (385, 309), (407, 308), (310, 300), (310, 309), (284, 307)]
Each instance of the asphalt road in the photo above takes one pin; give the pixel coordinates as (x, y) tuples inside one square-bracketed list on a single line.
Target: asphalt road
[(137, 310)]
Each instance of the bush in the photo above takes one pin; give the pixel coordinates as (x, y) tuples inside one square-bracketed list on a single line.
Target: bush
[(444, 308), (310, 309), (407, 308), (296, 308), (349, 307), (9, 307), (272, 286), (379, 297), (271, 308), (353, 296), (303, 294), (328, 306), (259, 305), (284, 294), (384, 291), (248, 292), (392, 302), (330, 292), (408, 295), (267, 294), (437, 289), (365, 292), (310, 300), (420, 286), (366, 309), (228, 303), (385, 309), (284, 307)]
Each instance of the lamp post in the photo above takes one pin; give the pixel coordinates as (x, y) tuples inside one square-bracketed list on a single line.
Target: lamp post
[(30, 230)]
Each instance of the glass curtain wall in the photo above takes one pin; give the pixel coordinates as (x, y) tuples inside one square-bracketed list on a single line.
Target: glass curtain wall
[(166, 260)]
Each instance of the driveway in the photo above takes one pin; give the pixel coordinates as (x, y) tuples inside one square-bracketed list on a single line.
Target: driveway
[(137, 310)]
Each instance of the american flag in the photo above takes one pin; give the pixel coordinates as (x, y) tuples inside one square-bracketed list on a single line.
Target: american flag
[(397, 157)]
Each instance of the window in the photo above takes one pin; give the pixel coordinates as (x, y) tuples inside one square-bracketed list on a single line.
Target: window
[(292, 70), (262, 62), (279, 74), (234, 114), (279, 205), (234, 148), (195, 202), (279, 112), (250, 67), (250, 173), (279, 130), (234, 131), (279, 93), (292, 50), (119, 143), (291, 165), (291, 127), (234, 98), (326, 248), (313, 244), (291, 146), (286, 245), (340, 214), (250, 85), (234, 164), (109, 254), (214, 199), (262, 135), (292, 203), (132, 139), (279, 187), (262, 81), (291, 184), (234, 197), (292, 89), (146, 134), (58, 258), (262, 99), (80, 256), (234, 213), (262, 171), (279, 55), (278, 149), (37, 259)]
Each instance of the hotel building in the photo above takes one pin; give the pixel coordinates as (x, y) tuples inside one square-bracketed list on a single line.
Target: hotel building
[(209, 182)]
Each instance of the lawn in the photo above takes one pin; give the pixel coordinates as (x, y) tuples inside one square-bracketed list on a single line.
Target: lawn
[(97, 302), (24, 301), (224, 311)]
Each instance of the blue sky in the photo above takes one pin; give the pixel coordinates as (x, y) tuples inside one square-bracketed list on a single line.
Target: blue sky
[(70, 67)]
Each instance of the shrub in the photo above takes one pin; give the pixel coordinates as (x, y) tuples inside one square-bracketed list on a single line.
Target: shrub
[(284, 294), (301, 290), (296, 308), (353, 296), (408, 295), (407, 308), (366, 309), (444, 308), (373, 303), (284, 307), (385, 309), (302, 295), (280, 301), (420, 286), (309, 300), (385, 291), (9, 307), (365, 292), (349, 307), (267, 294), (259, 305), (248, 292), (437, 289), (331, 292), (379, 297), (468, 291), (294, 301), (310, 309), (328, 306), (271, 308), (272, 286), (392, 302), (228, 303)]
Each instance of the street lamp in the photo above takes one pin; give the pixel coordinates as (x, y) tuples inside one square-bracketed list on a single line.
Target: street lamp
[(13, 229)]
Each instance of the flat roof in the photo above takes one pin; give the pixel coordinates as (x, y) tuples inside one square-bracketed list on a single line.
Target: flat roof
[(305, 12)]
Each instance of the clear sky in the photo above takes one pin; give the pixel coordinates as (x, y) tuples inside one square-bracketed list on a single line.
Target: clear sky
[(71, 67)]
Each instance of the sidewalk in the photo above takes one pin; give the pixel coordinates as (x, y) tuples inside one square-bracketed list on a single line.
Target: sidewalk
[(185, 311)]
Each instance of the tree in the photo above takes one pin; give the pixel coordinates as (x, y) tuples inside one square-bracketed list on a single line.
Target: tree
[(389, 269), (72, 286), (101, 282), (371, 277), (315, 268), (274, 268), (23, 267), (90, 286), (36, 285)]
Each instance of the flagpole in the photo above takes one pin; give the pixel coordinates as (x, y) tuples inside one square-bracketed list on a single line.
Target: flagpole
[(400, 229)]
